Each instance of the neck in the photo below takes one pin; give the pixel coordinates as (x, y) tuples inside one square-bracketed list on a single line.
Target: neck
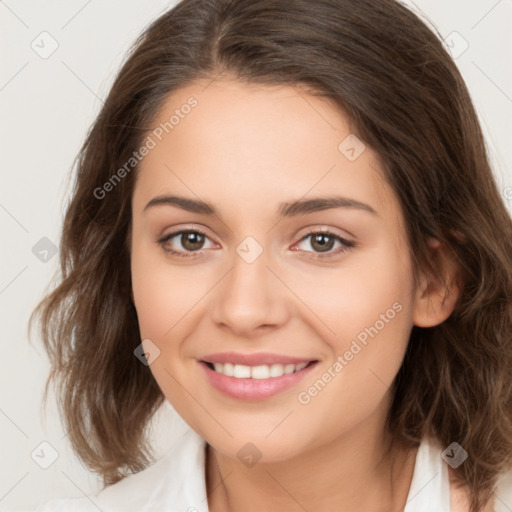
[(359, 470)]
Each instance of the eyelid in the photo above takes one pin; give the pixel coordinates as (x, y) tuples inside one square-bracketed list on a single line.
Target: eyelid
[(175, 230), (325, 228)]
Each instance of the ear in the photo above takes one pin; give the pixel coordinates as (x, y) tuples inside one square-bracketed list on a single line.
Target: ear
[(436, 296)]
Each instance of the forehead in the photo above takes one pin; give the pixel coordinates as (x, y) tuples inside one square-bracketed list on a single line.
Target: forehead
[(255, 145)]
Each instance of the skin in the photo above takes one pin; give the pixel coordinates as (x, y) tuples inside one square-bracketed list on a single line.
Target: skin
[(245, 149)]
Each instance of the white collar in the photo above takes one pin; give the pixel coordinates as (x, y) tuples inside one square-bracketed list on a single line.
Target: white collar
[(177, 483)]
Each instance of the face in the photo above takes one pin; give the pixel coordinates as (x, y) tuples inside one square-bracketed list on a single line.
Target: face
[(285, 246)]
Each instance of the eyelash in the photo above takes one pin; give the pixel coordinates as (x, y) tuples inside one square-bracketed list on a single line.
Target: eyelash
[(347, 244)]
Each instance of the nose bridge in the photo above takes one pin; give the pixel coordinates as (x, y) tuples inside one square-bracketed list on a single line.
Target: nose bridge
[(249, 296)]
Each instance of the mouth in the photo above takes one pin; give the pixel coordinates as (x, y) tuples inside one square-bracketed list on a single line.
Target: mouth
[(258, 382), (265, 371)]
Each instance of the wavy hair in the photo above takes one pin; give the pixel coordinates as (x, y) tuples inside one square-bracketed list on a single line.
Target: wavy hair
[(390, 74)]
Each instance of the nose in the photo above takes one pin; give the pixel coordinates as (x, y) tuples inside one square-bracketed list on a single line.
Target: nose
[(250, 299)]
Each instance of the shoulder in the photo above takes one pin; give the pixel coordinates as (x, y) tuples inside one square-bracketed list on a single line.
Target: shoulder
[(176, 480), (501, 500)]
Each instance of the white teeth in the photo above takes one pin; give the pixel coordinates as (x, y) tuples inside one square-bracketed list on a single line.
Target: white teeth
[(227, 369), (289, 368), (260, 372), (241, 371)]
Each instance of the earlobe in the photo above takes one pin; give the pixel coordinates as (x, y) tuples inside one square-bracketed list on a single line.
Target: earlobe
[(436, 295)]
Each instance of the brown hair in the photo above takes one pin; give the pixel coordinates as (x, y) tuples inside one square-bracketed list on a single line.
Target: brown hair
[(406, 99)]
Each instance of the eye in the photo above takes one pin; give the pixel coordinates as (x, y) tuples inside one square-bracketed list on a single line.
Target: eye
[(324, 244), (185, 241)]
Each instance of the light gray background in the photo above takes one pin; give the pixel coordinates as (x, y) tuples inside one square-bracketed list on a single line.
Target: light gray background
[(46, 107)]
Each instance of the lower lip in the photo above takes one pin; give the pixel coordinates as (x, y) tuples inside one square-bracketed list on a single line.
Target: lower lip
[(254, 389)]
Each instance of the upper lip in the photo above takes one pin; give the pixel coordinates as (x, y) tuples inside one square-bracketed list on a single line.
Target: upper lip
[(261, 358)]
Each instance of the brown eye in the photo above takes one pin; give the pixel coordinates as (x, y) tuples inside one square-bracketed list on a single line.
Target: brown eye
[(185, 242), (322, 242), (192, 240)]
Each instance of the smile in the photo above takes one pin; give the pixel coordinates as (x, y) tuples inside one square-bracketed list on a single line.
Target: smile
[(241, 371), (250, 383)]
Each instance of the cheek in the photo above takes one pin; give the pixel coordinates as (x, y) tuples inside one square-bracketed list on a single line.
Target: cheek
[(355, 384), (151, 298), (381, 310), (163, 296), (353, 297), (368, 309), (162, 293)]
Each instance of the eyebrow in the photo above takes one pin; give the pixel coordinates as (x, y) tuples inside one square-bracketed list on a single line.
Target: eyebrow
[(289, 209)]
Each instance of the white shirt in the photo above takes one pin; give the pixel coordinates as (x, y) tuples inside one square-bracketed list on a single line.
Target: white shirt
[(176, 483)]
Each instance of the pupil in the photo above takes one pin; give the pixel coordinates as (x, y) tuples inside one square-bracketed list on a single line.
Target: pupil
[(192, 241), (323, 242)]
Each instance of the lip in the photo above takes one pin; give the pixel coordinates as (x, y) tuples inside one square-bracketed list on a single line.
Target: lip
[(254, 389), (255, 359)]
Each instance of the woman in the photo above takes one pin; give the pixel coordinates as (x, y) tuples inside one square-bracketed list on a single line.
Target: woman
[(285, 224)]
